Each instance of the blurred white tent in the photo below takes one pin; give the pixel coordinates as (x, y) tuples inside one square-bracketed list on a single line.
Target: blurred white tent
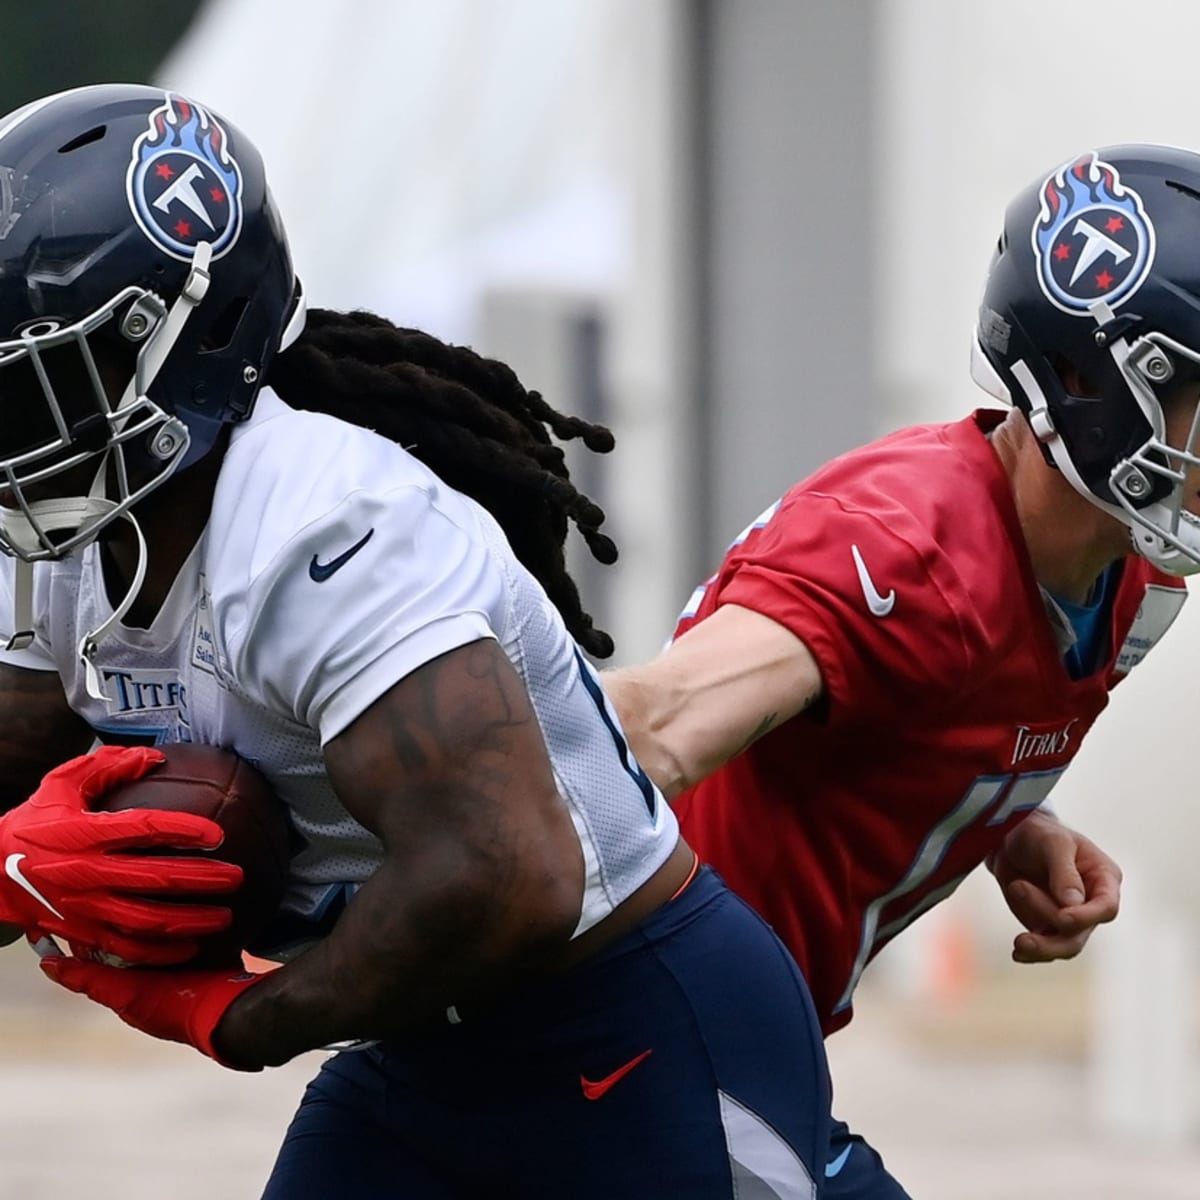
[(443, 163), (424, 152)]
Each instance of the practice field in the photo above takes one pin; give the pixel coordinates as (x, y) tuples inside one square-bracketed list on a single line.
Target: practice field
[(991, 1101), (91, 1110)]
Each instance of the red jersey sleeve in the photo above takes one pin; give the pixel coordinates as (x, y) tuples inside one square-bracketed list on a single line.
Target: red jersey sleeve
[(877, 606)]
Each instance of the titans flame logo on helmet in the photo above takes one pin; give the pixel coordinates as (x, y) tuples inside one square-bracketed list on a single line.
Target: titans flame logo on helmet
[(1092, 239), (184, 186)]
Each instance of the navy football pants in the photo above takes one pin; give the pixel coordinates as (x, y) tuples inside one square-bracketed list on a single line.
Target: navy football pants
[(855, 1171), (684, 1062)]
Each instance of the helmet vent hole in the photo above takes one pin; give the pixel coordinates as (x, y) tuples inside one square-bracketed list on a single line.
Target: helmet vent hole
[(1183, 187), (84, 139), (1074, 381), (224, 327)]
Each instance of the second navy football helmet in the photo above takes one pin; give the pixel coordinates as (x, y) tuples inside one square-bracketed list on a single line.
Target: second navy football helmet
[(1090, 321)]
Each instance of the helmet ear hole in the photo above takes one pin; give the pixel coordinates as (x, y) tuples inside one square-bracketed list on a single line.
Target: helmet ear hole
[(223, 329), (1074, 381)]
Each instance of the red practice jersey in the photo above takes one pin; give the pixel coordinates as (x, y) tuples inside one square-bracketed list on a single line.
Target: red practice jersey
[(948, 713)]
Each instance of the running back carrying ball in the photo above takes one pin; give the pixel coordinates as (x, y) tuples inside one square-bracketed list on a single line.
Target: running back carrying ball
[(217, 784)]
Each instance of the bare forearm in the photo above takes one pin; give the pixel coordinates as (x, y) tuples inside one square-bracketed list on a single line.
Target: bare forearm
[(674, 754), (724, 684)]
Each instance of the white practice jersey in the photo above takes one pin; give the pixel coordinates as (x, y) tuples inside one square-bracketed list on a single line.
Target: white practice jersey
[(334, 564)]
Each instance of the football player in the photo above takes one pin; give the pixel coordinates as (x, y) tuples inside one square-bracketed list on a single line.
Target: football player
[(354, 579), (892, 666)]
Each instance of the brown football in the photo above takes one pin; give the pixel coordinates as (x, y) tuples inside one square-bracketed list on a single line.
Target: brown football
[(218, 784)]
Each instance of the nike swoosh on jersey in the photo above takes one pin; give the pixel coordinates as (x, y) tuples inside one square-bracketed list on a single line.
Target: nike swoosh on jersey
[(879, 605), (318, 572), (12, 868), (593, 1091), (834, 1166)]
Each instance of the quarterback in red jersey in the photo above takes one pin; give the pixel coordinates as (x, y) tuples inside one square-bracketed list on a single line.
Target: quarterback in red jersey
[(945, 716), (878, 688)]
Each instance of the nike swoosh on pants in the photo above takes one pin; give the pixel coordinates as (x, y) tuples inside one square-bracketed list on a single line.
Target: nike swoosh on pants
[(834, 1167)]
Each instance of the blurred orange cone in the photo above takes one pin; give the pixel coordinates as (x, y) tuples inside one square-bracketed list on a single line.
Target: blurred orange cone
[(953, 962)]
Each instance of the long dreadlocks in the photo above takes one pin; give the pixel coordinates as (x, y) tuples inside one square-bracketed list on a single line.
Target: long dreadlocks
[(468, 419)]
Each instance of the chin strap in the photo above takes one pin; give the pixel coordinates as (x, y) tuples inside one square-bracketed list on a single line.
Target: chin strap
[(150, 362), (28, 532), (52, 516), (22, 608), (90, 642)]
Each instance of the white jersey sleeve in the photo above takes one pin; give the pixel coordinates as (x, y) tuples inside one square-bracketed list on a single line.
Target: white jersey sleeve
[(358, 599)]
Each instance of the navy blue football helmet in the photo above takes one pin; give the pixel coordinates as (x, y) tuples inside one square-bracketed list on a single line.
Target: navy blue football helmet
[(1095, 288), (145, 286)]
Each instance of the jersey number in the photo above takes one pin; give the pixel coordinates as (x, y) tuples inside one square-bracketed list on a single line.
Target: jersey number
[(997, 797)]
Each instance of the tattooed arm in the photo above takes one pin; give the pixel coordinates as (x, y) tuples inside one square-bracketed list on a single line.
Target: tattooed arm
[(37, 731), (482, 878), (713, 692)]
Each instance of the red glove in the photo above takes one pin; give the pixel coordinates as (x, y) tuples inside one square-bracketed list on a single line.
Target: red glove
[(64, 873), (175, 1005)]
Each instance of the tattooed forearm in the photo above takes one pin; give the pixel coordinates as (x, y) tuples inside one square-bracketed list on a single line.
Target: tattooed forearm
[(482, 873), (764, 726)]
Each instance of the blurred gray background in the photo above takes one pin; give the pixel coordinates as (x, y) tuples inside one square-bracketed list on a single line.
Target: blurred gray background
[(748, 234)]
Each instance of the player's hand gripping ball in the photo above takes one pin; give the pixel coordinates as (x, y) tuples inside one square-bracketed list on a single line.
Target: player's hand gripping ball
[(219, 785)]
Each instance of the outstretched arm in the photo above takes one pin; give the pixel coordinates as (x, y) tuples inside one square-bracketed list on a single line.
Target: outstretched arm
[(717, 689)]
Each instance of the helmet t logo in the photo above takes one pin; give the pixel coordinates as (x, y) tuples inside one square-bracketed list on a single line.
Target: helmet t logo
[(184, 190), (1097, 243)]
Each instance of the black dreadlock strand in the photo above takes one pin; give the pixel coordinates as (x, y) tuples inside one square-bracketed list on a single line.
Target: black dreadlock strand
[(468, 419)]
